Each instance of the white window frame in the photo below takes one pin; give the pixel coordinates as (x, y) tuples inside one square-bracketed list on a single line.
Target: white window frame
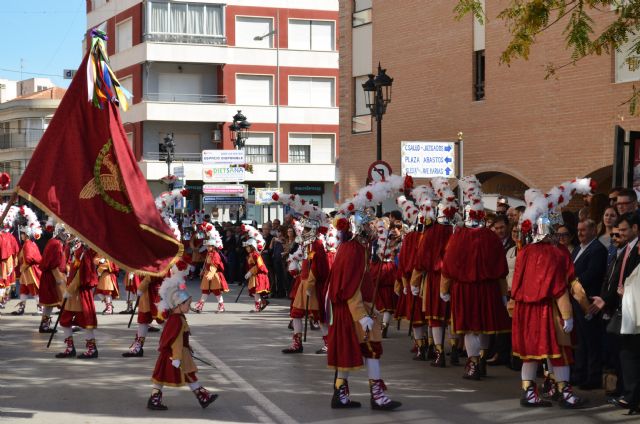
[(271, 37), (311, 135), (124, 21), (273, 150), (273, 88), (334, 94), (620, 57), (334, 40)]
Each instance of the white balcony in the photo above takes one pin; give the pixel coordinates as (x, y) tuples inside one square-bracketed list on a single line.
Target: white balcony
[(221, 112), (202, 53), (153, 170)]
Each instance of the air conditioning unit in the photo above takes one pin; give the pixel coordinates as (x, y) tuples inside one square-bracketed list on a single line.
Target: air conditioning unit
[(216, 136)]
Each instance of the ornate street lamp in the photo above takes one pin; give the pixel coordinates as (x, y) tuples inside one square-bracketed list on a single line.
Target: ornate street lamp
[(377, 91), (169, 148), (239, 130)]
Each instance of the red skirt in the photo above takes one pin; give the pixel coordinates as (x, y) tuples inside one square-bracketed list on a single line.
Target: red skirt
[(262, 285), (534, 333), (414, 306), (435, 309), (387, 273), (29, 289), (166, 374), (344, 351), (85, 318), (477, 308), (49, 294), (401, 306)]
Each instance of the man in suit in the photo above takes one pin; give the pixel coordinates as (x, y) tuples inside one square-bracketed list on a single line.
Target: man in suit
[(590, 262), (628, 260)]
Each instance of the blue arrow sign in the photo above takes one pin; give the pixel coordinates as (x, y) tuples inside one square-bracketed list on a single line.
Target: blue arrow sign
[(448, 160), (448, 170), (447, 149)]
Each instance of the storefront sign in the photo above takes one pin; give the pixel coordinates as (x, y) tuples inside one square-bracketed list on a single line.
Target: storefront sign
[(226, 190), (222, 200), (219, 157), (222, 174), (264, 196), (307, 188)]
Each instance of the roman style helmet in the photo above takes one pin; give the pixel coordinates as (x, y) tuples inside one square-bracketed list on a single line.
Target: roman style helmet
[(474, 208)]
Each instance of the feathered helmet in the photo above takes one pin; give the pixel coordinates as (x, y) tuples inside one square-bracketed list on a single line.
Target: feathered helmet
[(331, 241), (543, 212), (357, 213), (312, 218), (408, 209), (474, 209), (11, 217), (384, 250), (164, 202), (426, 201), (173, 291), (253, 238), (57, 229), (30, 226), (213, 236), (448, 205)]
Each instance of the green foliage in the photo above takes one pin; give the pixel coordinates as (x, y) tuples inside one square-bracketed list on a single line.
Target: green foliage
[(525, 19)]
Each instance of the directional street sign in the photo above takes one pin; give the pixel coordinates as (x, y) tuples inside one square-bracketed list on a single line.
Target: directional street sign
[(222, 200), (428, 159)]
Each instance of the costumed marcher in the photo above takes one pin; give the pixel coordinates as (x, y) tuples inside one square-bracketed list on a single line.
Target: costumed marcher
[(196, 243), (384, 270), (78, 308), (257, 275), (54, 275), (29, 260), (331, 244), (148, 289), (107, 288), (175, 366), (310, 289), (473, 279), (213, 279), (131, 284), (9, 249), (355, 331), (543, 282), (438, 230)]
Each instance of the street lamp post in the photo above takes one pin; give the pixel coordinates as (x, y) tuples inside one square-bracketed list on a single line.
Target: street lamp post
[(377, 91), (239, 130), (169, 148)]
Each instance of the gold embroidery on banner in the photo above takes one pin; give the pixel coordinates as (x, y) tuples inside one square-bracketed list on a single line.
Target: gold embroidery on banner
[(103, 182)]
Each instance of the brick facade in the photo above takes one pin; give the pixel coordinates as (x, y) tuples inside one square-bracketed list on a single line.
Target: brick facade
[(538, 131)]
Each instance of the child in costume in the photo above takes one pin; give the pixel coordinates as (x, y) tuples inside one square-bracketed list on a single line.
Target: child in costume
[(175, 366)]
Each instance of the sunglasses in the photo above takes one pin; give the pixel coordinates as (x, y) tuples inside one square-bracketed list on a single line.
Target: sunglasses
[(614, 235)]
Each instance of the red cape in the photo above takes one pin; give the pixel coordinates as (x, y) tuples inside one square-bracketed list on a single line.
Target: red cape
[(432, 247), (474, 254), (541, 272)]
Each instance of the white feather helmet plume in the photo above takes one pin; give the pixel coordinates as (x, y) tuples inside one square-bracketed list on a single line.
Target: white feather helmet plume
[(164, 202), (448, 206), (303, 208), (295, 260), (408, 209), (254, 238), (11, 217), (213, 236), (472, 191), (331, 241), (426, 201), (32, 227)]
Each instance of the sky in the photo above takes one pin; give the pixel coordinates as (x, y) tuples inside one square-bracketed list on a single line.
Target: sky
[(45, 34)]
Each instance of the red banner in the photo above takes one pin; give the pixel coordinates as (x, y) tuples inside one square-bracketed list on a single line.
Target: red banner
[(84, 174)]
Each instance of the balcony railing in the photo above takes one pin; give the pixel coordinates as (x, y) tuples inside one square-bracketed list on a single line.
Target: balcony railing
[(186, 38), (185, 98), (177, 157), (26, 140)]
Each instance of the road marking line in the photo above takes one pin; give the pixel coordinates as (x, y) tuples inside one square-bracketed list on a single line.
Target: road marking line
[(259, 414), (252, 392)]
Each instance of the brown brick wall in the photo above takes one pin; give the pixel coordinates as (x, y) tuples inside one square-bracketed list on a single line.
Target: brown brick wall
[(539, 131)]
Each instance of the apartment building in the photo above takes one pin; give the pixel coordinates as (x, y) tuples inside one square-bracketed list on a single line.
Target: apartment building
[(520, 130), (191, 65), (23, 120)]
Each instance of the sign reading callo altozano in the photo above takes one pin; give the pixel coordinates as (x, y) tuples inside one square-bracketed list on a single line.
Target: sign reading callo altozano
[(428, 159), (222, 166)]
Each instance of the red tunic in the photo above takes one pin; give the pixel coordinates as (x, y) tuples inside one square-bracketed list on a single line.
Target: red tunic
[(174, 344), (540, 276), (53, 262), (474, 261), (132, 282), (213, 258), (345, 280), (148, 309), (436, 239), (80, 309), (316, 266), (259, 282), (30, 263), (406, 261), (385, 273)]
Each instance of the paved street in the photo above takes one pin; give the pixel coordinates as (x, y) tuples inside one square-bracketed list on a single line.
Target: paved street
[(256, 383)]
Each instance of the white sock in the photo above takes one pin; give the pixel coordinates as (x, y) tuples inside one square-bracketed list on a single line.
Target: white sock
[(157, 386), (529, 370), (297, 325), (37, 299), (472, 343), (324, 329), (438, 333), (108, 298), (204, 297), (143, 330), (257, 298), (24, 297), (386, 318), (219, 298), (485, 340), (373, 368), (89, 334), (562, 373), (100, 296), (67, 331), (2, 290), (194, 386), (418, 333), (47, 310), (430, 332), (343, 375)]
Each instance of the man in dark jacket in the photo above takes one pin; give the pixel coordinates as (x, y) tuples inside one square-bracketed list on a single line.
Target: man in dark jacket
[(590, 262)]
